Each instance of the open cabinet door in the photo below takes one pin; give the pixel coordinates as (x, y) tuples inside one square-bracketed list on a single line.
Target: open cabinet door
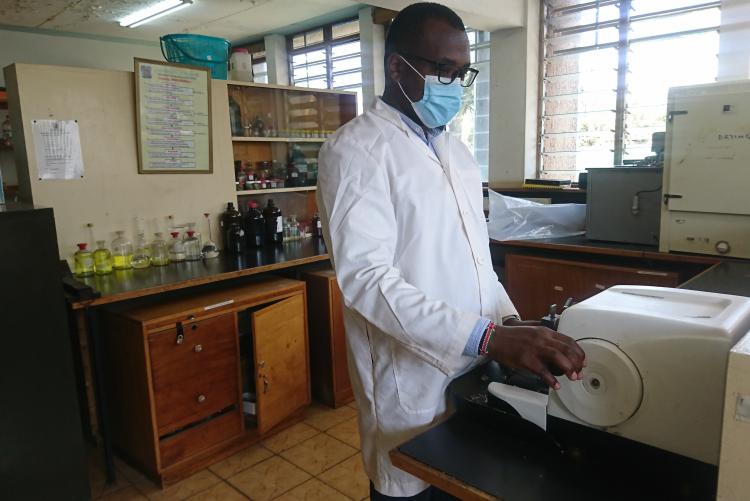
[(281, 366)]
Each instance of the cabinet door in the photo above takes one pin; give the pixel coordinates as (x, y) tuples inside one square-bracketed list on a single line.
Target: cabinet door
[(281, 368), (342, 384), (534, 283)]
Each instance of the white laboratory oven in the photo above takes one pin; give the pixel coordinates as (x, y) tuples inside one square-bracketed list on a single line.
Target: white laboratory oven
[(706, 183)]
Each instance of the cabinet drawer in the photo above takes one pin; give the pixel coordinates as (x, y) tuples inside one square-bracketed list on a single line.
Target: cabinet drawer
[(197, 377), (196, 440)]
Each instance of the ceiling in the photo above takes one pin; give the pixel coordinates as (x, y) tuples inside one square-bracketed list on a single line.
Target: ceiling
[(488, 15), (235, 20)]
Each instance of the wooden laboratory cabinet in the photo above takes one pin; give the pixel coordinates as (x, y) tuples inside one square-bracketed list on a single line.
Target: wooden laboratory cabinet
[(534, 283), (172, 372), (328, 358)]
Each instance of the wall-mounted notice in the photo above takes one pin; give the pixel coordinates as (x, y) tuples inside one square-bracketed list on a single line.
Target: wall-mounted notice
[(58, 149), (173, 110)]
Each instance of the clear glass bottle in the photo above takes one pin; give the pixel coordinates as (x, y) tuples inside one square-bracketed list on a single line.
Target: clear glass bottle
[(84, 261), (159, 250), (196, 234), (176, 248), (294, 227), (122, 252), (102, 259), (192, 247), (141, 253), (209, 249)]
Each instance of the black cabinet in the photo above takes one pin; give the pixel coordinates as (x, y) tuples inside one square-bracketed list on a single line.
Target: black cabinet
[(43, 455)]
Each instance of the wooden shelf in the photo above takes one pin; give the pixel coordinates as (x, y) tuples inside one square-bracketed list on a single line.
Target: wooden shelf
[(278, 139), (277, 190)]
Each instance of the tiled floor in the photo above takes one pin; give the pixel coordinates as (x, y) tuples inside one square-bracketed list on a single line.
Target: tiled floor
[(316, 460)]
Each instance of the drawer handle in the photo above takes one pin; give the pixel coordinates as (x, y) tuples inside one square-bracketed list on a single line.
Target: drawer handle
[(194, 327), (191, 317), (201, 399), (599, 286), (198, 348), (558, 288)]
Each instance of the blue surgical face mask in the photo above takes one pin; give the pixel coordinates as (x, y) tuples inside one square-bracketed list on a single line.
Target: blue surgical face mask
[(439, 103)]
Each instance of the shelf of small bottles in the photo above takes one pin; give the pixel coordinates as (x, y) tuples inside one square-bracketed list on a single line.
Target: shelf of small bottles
[(277, 190), (241, 139)]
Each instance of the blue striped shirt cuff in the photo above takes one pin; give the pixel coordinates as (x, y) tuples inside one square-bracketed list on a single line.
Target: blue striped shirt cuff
[(472, 346)]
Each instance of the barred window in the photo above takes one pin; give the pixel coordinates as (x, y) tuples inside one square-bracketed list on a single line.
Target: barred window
[(606, 72), (472, 125), (260, 67), (328, 58)]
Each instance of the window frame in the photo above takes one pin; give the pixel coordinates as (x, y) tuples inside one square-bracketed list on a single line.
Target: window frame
[(327, 45), (622, 46)]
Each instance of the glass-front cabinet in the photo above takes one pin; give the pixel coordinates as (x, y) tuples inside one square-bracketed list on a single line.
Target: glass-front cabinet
[(277, 132)]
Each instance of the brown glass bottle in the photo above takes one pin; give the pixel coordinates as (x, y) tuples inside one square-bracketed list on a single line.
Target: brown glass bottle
[(274, 223)]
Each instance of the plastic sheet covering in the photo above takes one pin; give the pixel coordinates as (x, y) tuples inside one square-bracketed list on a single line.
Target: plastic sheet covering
[(519, 219)]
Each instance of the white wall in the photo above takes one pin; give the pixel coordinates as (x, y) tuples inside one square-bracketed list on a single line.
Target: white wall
[(45, 47), (111, 193), (372, 42), (514, 68)]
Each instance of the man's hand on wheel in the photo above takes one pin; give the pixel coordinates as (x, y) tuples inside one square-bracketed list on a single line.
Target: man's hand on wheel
[(537, 349)]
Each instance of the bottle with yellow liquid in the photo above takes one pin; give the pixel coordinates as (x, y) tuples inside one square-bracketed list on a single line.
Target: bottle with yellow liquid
[(84, 262), (122, 252), (102, 259)]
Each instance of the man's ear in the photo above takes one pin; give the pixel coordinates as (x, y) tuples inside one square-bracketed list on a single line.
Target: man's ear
[(394, 67)]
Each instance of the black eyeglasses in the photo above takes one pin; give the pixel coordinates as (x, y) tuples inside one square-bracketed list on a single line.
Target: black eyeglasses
[(447, 73)]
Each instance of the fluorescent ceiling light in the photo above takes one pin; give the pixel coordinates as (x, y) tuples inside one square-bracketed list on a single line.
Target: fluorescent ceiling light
[(156, 11)]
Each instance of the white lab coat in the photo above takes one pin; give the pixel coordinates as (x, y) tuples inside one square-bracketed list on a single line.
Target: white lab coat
[(408, 239)]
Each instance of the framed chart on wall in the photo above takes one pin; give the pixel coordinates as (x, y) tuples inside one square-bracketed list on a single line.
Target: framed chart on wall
[(173, 118)]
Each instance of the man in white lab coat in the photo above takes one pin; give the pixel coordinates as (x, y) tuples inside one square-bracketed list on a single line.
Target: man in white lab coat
[(401, 205)]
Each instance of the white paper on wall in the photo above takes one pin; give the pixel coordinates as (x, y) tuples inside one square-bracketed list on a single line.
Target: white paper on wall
[(58, 149)]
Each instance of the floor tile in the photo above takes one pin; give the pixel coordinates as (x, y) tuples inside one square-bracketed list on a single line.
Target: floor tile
[(129, 493), (98, 478), (323, 418), (129, 473), (268, 479), (347, 432), (352, 404), (183, 489), (349, 478), (312, 490), (240, 461), (290, 437), (219, 492), (318, 454)]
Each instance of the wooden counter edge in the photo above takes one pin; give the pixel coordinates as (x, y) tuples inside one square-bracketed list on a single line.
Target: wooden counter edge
[(76, 305), (608, 251), (439, 479)]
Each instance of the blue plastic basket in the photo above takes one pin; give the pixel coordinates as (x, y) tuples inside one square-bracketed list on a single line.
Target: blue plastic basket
[(197, 50)]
